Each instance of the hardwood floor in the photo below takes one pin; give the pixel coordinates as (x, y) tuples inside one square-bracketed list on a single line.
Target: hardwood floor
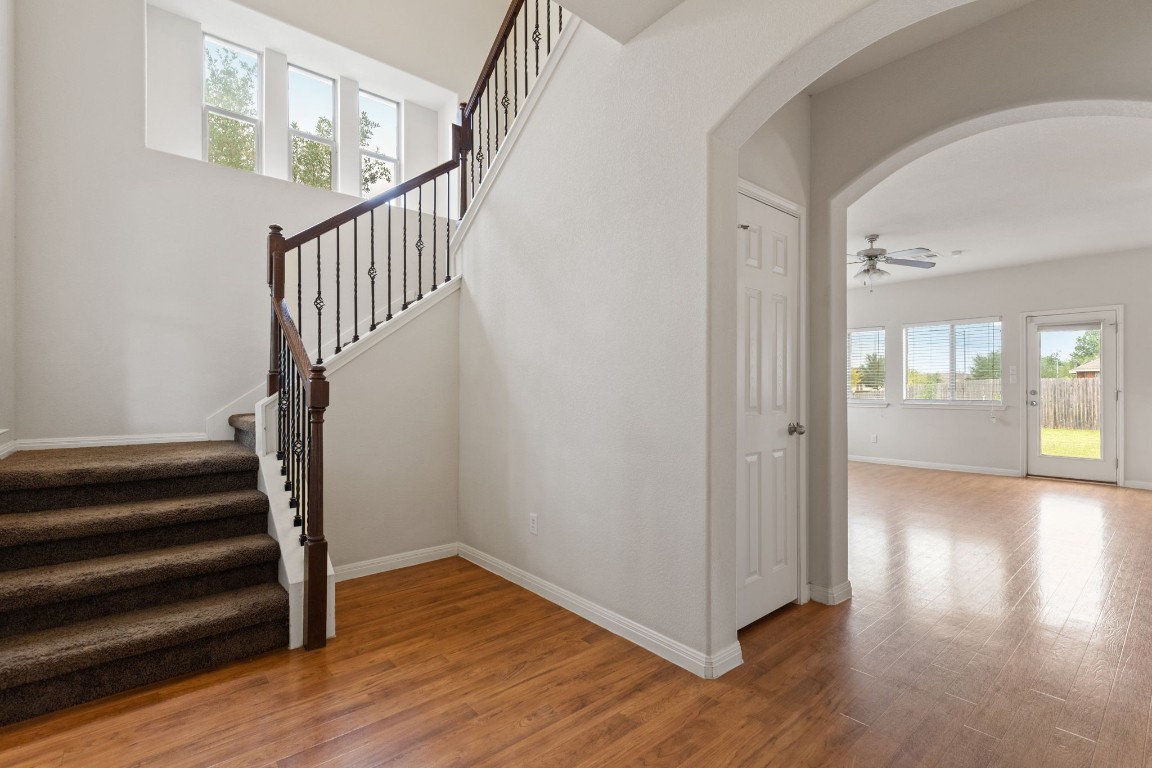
[(995, 622)]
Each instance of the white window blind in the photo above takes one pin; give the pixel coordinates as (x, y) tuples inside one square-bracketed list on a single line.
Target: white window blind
[(866, 364), (953, 362)]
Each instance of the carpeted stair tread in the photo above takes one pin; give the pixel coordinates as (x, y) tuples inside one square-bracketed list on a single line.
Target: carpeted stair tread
[(80, 522), (95, 577), (42, 655), (28, 470), (243, 421)]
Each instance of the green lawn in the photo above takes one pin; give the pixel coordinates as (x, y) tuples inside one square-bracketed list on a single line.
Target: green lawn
[(1076, 443)]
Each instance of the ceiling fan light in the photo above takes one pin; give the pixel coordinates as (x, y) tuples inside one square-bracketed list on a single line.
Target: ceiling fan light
[(880, 274)]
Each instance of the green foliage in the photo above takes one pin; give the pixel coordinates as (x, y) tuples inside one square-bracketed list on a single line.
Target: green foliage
[(373, 170), (312, 160), (230, 83), (986, 366), (872, 372), (1052, 367), (919, 377), (1087, 348)]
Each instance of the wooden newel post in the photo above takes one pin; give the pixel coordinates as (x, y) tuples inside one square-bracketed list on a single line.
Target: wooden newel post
[(276, 291), (462, 145), (315, 545)]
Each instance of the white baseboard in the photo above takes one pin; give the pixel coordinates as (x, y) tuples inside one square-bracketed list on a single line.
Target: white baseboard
[(100, 442), (395, 562), (7, 449), (1138, 485), (841, 593), (998, 471), (705, 666)]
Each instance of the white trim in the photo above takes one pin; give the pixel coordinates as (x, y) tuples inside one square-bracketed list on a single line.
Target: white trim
[(386, 329), (7, 449), (694, 661), (1139, 485), (103, 441), (395, 562), (868, 403), (998, 471), (841, 593), (538, 87), (756, 192)]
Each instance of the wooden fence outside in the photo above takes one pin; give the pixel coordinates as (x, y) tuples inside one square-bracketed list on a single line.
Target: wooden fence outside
[(1070, 403)]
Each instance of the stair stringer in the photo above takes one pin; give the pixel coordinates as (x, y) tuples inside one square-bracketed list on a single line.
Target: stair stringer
[(280, 528)]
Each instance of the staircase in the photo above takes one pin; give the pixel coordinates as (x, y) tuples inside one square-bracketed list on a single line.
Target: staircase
[(124, 566)]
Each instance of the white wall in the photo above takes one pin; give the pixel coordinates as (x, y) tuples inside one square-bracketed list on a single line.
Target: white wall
[(142, 274), (175, 76), (391, 442), (585, 364), (7, 221), (1048, 58), (779, 156), (442, 41), (969, 437)]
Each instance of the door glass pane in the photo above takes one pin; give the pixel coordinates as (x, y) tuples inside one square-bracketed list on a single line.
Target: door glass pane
[(1070, 392)]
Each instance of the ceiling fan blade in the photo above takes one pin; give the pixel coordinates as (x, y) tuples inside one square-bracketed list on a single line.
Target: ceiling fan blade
[(912, 263), (912, 253)]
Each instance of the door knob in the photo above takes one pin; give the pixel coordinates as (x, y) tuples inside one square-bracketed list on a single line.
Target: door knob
[(796, 429), (1033, 403)]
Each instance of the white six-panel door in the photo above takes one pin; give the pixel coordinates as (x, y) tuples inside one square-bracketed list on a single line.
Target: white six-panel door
[(768, 286)]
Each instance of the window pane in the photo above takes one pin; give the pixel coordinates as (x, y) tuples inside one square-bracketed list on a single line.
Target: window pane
[(311, 163), (376, 175), (231, 142), (928, 363), (311, 103), (977, 361), (379, 125), (866, 365), (231, 78)]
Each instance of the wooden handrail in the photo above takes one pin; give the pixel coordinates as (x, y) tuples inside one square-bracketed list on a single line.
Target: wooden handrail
[(493, 57), (370, 204)]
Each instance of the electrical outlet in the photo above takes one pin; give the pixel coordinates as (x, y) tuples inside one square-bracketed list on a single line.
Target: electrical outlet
[(532, 529), (875, 438)]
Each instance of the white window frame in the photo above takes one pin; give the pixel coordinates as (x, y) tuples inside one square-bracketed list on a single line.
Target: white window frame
[(332, 143), (866, 402), (378, 155), (951, 403), (208, 109)]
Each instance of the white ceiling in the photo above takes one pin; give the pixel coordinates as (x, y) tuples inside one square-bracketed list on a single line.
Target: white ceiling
[(1051, 189), (621, 20), (914, 38)]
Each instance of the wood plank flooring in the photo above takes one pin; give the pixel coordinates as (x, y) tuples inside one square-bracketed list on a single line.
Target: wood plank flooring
[(996, 622)]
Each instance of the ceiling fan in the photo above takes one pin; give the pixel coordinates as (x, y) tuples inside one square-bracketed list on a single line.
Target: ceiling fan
[(872, 257)]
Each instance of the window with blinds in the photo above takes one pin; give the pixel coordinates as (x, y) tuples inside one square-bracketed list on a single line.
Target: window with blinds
[(952, 362), (866, 365)]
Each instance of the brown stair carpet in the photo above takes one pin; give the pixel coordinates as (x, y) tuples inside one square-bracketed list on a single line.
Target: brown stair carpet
[(127, 565), (245, 426)]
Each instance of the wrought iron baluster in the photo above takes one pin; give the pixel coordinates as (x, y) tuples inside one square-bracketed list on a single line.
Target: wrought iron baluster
[(526, 38), (419, 243), (404, 295), (338, 292), (537, 37), (548, 24), (389, 314), (300, 291), (496, 104), (515, 71), (435, 226), (560, 18), (298, 451), (505, 102), (372, 268), (319, 304), (448, 236), (355, 281)]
